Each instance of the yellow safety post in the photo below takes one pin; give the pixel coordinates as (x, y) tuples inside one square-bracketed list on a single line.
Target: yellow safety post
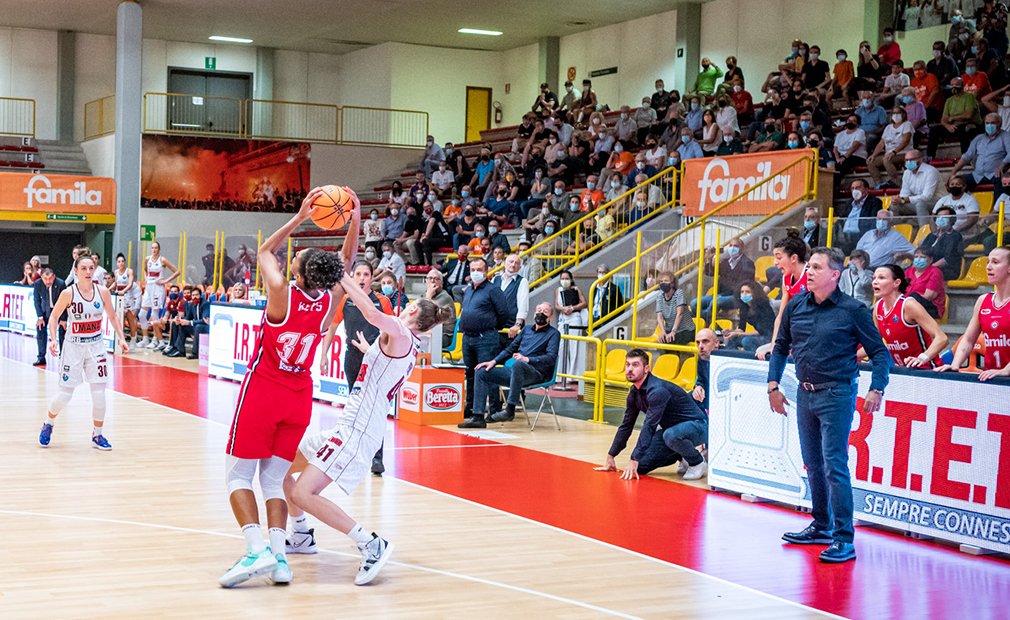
[(220, 266), (217, 243), (999, 226), (701, 268), (178, 260), (182, 263), (129, 253), (289, 259), (831, 224), (638, 267), (715, 283), (259, 242)]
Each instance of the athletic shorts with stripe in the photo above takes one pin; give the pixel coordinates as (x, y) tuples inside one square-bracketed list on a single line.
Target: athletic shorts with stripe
[(345, 453), (270, 419)]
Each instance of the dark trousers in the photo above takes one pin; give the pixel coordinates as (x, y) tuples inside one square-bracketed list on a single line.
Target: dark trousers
[(181, 332), (478, 348), (824, 418), (964, 134), (42, 338), (431, 245), (680, 441), (517, 377)]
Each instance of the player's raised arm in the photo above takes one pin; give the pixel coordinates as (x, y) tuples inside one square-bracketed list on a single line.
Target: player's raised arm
[(350, 249), (373, 315)]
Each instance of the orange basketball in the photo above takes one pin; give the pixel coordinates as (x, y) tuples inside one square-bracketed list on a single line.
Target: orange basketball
[(333, 208)]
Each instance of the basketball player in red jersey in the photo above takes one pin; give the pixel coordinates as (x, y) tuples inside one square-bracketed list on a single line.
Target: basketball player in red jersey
[(343, 454), (912, 337), (791, 256), (275, 402), (991, 320)]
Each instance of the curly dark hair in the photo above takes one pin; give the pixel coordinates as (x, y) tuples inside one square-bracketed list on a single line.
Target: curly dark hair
[(793, 245), (320, 269)]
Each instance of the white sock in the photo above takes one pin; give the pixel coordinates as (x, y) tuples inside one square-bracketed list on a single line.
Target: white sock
[(97, 430), (359, 535), (277, 536), (254, 537), (300, 524)]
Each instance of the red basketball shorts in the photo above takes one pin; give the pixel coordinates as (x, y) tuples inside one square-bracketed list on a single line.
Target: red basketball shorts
[(270, 419)]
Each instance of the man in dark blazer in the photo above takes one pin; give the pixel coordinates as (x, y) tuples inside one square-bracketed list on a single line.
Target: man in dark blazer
[(456, 273), (195, 321), (47, 291), (852, 230), (608, 296)]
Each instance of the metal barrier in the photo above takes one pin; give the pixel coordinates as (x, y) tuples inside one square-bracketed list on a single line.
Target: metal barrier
[(187, 114), (597, 380), (100, 117), (678, 252), (636, 344), (17, 117), (383, 127), (288, 120)]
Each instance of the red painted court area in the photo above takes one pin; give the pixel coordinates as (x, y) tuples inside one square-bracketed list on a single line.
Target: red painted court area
[(719, 535)]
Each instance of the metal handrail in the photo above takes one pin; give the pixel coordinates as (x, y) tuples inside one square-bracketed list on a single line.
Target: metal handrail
[(104, 129), (598, 379), (342, 138), (14, 130), (251, 131)]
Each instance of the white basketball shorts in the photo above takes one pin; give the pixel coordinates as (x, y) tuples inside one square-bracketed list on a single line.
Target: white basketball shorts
[(88, 359)]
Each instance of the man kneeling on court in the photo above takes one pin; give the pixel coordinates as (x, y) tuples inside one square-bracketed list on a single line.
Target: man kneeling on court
[(674, 425), (534, 354)]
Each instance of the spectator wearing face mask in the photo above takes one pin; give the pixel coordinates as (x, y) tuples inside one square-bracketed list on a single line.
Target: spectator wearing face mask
[(895, 80), (371, 258), (942, 66), (479, 232), (641, 167), (919, 185), (392, 291), (468, 199), (869, 68), (672, 315), (958, 21), (850, 146), (626, 128), (843, 76), (916, 113), (743, 102), (456, 272), (856, 280), (433, 154), (926, 283), (704, 83), (927, 91), (392, 224), (735, 268), (601, 150), (689, 148), (991, 18), (621, 162), (458, 165), (570, 100), (859, 217), (755, 322), (645, 117), (975, 82), (693, 118), (660, 100), (884, 244), (730, 144), (483, 174), (436, 235), (944, 244), (960, 119), (816, 73), (794, 140), (963, 204), (770, 139), (392, 262), (406, 243), (872, 118), (895, 141), (372, 229), (444, 180), (990, 154), (889, 52), (811, 234), (592, 196)]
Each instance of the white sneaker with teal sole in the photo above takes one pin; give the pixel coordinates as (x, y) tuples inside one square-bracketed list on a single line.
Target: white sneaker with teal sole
[(373, 557), (248, 566), (281, 574)]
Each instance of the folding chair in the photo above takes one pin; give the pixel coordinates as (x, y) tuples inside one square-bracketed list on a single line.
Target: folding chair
[(546, 385)]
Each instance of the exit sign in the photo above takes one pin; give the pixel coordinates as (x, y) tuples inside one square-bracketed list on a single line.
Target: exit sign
[(66, 217), (210, 62), (147, 232)]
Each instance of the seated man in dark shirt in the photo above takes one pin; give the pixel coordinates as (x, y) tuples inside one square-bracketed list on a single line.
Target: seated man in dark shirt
[(534, 352), (674, 424)]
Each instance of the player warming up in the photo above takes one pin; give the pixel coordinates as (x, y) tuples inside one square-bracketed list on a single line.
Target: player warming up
[(83, 349), (153, 302), (344, 454), (275, 401), (990, 320)]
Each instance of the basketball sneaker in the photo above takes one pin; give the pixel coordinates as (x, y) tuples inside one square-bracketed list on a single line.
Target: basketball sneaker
[(301, 542), (46, 434), (281, 574), (143, 342), (682, 467), (696, 472), (248, 566), (161, 345), (374, 555), (100, 442)]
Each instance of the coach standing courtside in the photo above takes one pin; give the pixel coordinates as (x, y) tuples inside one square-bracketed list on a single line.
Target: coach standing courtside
[(47, 291), (481, 314), (824, 327)]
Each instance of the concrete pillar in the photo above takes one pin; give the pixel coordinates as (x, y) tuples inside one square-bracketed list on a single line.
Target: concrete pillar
[(65, 53), (688, 61), (128, 129), (263, 88), (547, 66)]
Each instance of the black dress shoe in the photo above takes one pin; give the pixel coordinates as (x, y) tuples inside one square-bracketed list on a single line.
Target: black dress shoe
[(40, 362), (377, 466), (192, 356), (169, 351), (474, 422), (174, 353), (502, 416), (810, 536), (838, 552)]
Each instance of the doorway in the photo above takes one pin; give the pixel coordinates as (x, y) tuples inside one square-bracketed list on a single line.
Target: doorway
[(215, 101), (478, 112)]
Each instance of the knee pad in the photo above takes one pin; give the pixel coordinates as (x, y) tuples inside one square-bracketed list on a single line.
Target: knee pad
[(272, 473), (59, 402), (239, 473), (98, 400)]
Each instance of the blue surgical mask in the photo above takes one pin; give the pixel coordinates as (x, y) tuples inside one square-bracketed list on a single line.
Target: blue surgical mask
[(907, 100), (974, 49), (479, 234), (942, 221), (685, 139), (881, 224), (793, 144), (671, 161), (853, 268), (465, 194), (746, 298), (956, 19), (732, 250), (549, 230), (694, 106), (990, 129), (558, 191), (867, 103), (919, 263), (173, 295), (574, 206), (804, 124), (911, 164), (387, 289), (590, 185), (809, 224), (970, 70)]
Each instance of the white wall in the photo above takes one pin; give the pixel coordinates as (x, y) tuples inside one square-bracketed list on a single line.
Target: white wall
[(520, 67), (357, 167), (101, 155), (366, 77), (28, 71), (643, 50)]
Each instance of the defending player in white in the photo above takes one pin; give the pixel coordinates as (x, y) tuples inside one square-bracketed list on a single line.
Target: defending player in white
[(83, 349), (344, 454)]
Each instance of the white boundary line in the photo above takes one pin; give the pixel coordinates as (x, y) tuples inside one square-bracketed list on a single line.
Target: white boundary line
[(773, 597), (425, 569)]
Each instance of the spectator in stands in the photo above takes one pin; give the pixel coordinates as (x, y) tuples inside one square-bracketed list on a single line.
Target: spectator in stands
[(856, 280), (998, 101), (372, 229), (825, 158), (991, 18), (755, 322), (675, 325), (676, 113), (733, 71), (711, 136), (468, 198), (926, 280), (895, 81), (660, 100), (726, 114), (516, 290), (569, 103), (743, 103), (842, 78), (645, 117), (816, 72), (850, 147), (890, 51), (29, 276), (919, 185), (730, 144), (435, 292), (975, 82), (36, 263), (433, 154), (964, 205), (465, 226), (239, 293), (483, 174), (499, 204), (407, 243), (393, 224), (456, 164), (607, 296), (587, 104), (872, 118), (927, 90), (195, 320), (694, 114), (959, 22), (391, 290), (436, 236), (988, 151), (885, 244), (942, 66), (794, 140), (989, 62), (627, 129), (456, 272), (870, 69), (371, 259), (707, 341), (960, 44), (546, 101), (790, 65), (770, 139), (209, 261), (443, 181), (689, 147), (47, 291), (862, 212), (392, 262), (704, 83), (916, 113), (479, 232), (482, 312), (944, 243), (497, 257), (735, 268), (960, 119), (674, 424), (641, 167), (896, 140), (811, 227)]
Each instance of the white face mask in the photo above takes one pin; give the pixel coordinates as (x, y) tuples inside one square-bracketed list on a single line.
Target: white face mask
[(369, 255), (896, 118), (386, 253), (394, 212), (857, 194), (476, 277)]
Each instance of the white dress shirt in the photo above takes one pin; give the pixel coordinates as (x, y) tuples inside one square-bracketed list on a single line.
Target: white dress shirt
[(522, 295), (920, 185)]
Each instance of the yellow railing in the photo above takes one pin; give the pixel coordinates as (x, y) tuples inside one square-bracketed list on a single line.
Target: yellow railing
[(678, 252), (188, 114), (566, 247), (597, 380), (288, 120), (100, 117), (17, 117), (382, 127)]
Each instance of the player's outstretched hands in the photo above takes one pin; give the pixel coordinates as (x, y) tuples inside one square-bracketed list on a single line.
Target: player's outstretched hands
[(360, 342), (354, 199), (306, 210), (610, 465)]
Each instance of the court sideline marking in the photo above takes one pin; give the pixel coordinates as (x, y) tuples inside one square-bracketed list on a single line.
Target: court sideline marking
[(425, 569), (767, 595)]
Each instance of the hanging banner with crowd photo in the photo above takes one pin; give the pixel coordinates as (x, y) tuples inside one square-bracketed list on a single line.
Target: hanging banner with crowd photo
[(710, 182), (220, 174)]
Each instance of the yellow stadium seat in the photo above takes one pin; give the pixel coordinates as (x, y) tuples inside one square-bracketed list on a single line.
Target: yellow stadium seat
[(761, 265), (905, 229), (688, 374), (974, 277), (984, 202), (666, 367), (922, 234), (774, 293), (614, 368), (699, 324), (886, 201), (978, 247)]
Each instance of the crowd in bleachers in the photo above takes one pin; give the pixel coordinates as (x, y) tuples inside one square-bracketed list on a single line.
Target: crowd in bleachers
[(286, 202)]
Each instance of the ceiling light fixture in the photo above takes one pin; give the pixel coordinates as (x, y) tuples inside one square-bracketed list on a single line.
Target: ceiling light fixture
[(230, 39), (490, 33)]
